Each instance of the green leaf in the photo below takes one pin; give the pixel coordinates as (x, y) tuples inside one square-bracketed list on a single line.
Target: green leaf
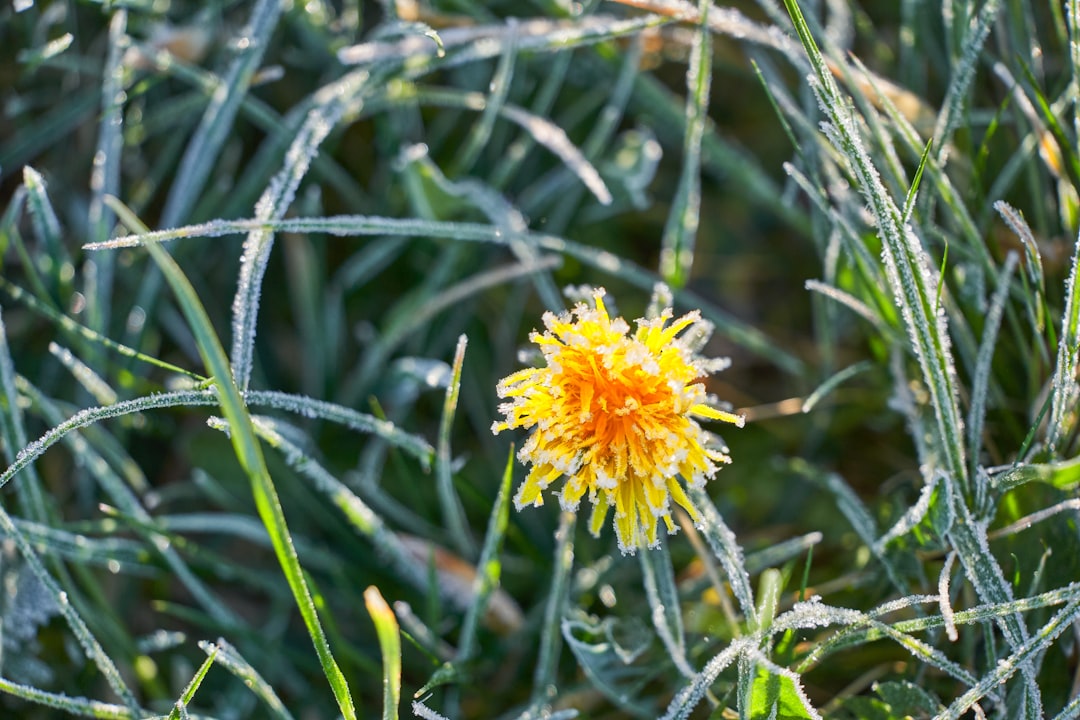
[(775, 696)]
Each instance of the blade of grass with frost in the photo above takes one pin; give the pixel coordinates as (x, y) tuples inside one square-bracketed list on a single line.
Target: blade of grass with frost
[(832, 382), (249, 454), (54, 261), (204, 146), (192, 687), (463, 45), (74, 706), (386, 628), (361, 225), (126, 500), (961, 73), (969, 539), (542, 102), (332, 102), (545, 132), (492, 204), (1024, 656), (228, 657), (31, 497), (1064, 392), (453, 513), (690, 695), (905, 261), (480, 132), (680, 230), (980, 382), (727, 549), (562, 198), (105, 176), (192, 398), (550, 631), (487, 580), (662, 593)]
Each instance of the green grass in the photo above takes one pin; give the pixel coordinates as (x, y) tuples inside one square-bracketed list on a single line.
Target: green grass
[(262, 266)]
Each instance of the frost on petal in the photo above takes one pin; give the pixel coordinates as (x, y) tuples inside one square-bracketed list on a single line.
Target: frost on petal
[(612, 412)]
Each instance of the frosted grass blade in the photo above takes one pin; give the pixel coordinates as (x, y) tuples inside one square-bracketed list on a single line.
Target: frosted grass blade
[(658, 576), (1064, 392), (53, 261), (453, 513), (727, 549), (961, 74), (550, 632), (204, 146), (543, 131), (360, 225), (981, 379), (680, 230), (480, 133), (490, 567), (906, 263), (332, 102), (249, 453), (180, 708), (228, 657), (31, 497), (77, 706)]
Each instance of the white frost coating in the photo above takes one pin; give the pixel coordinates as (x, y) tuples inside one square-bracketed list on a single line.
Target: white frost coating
[(912, 517), (1065, 389), (943, 598), (332, 102), (421, 710)]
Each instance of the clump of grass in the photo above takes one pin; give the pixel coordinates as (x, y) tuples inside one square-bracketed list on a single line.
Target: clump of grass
[(263, 266)]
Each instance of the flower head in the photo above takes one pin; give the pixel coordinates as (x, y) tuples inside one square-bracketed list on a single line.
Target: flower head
[(615, 414)]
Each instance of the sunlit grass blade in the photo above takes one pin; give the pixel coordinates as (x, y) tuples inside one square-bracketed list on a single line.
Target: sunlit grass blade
[(727, 549), (390, 642), (249, 454), (192, 687)]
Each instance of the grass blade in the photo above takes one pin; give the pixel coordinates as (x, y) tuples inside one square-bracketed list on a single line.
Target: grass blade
[(249, 453), (390, 642)]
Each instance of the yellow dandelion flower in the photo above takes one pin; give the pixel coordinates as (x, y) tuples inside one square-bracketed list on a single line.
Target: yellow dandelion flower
[(616, 415)]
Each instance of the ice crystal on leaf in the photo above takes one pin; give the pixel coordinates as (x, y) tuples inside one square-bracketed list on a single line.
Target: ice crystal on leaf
[(616, 415)]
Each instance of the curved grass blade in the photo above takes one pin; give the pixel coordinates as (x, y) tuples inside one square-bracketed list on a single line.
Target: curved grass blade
[(249, 453)]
